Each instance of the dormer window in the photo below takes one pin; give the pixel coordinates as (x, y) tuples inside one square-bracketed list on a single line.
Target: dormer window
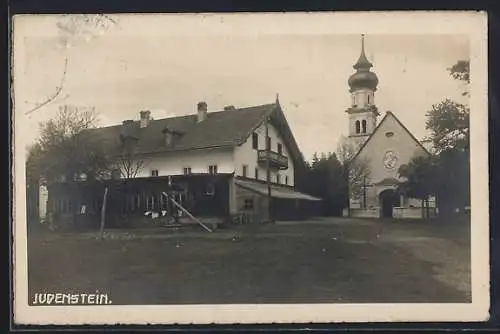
[(280, 148), (358, 127), (170, 136), (154, 172)]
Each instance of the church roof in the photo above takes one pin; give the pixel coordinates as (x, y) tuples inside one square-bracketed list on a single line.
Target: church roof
[(387, 114)]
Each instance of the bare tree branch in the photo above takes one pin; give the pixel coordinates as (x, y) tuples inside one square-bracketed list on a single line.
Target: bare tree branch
[(127, 163), (55, 94), (358, 170)]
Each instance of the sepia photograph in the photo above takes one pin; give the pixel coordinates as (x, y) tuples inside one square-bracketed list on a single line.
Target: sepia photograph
[(250, 168)]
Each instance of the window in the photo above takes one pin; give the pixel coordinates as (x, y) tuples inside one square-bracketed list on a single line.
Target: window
[(353, 100), (389, 134), (363, 123), (256, 173), (357, 127), (245, 170), (268, 143), (163, 202), (278, 178), (135, 202), (212, 169), (255, 141), (154, 172), (280, 148), (248, 204), (187, 170), (286, 179), (150, 204), (368, 98)]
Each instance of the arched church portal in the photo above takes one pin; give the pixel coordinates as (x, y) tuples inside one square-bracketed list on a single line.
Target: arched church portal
[(388, 199)]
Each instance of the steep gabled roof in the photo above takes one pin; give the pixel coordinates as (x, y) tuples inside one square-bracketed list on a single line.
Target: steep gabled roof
[(387, 114), (227, 128)]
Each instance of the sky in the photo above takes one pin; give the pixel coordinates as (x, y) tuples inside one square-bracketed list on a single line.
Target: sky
[(129, 64)]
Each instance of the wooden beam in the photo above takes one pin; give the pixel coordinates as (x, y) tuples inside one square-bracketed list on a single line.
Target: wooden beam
[(187, 212)]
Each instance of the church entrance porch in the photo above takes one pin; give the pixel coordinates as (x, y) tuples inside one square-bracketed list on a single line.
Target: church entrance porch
[(388, 200)]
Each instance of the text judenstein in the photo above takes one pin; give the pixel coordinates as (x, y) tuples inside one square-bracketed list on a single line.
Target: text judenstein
[(71, 299)]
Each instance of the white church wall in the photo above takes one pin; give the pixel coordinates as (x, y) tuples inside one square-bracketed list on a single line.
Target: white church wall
[(400, 142)]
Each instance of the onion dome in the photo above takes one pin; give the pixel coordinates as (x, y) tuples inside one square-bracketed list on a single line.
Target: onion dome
[(363, 78)]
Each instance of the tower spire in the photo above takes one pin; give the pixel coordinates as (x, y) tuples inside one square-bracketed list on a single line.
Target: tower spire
[(363, 64)]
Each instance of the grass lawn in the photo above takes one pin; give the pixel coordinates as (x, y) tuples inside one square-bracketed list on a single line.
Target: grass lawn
[(329, 260)]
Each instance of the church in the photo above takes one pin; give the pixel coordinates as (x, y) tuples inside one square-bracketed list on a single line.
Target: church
[(379, 148)]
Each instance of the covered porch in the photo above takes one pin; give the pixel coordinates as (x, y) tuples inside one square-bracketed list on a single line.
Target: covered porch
[(286, 203), (133, 200)]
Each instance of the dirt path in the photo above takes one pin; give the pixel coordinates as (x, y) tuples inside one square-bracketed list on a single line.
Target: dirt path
[(321, 261)]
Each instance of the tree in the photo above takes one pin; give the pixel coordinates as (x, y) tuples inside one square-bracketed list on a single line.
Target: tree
[(448, 123), (356, 170), (323, 179), (449, 126), (128, 162), (64, 150), (461, 71), (420, 178)]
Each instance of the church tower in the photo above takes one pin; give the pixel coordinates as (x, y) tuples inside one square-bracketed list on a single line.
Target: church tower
[(363, 113)]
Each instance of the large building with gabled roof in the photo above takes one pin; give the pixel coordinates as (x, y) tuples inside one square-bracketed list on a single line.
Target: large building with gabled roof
[(382, 147), (215, 164)]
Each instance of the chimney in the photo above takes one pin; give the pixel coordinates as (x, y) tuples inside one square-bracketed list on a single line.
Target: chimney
[(127, 130), (202, 111), (145, 118)]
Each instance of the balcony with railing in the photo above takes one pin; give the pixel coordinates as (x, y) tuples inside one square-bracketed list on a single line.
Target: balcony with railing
[(276, 160)]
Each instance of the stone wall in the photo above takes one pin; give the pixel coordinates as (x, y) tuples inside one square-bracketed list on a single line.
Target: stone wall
[(365, 213)]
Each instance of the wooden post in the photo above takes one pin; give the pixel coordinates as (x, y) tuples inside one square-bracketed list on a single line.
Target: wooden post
[(364, 192), (423, 207), (103, 212)]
